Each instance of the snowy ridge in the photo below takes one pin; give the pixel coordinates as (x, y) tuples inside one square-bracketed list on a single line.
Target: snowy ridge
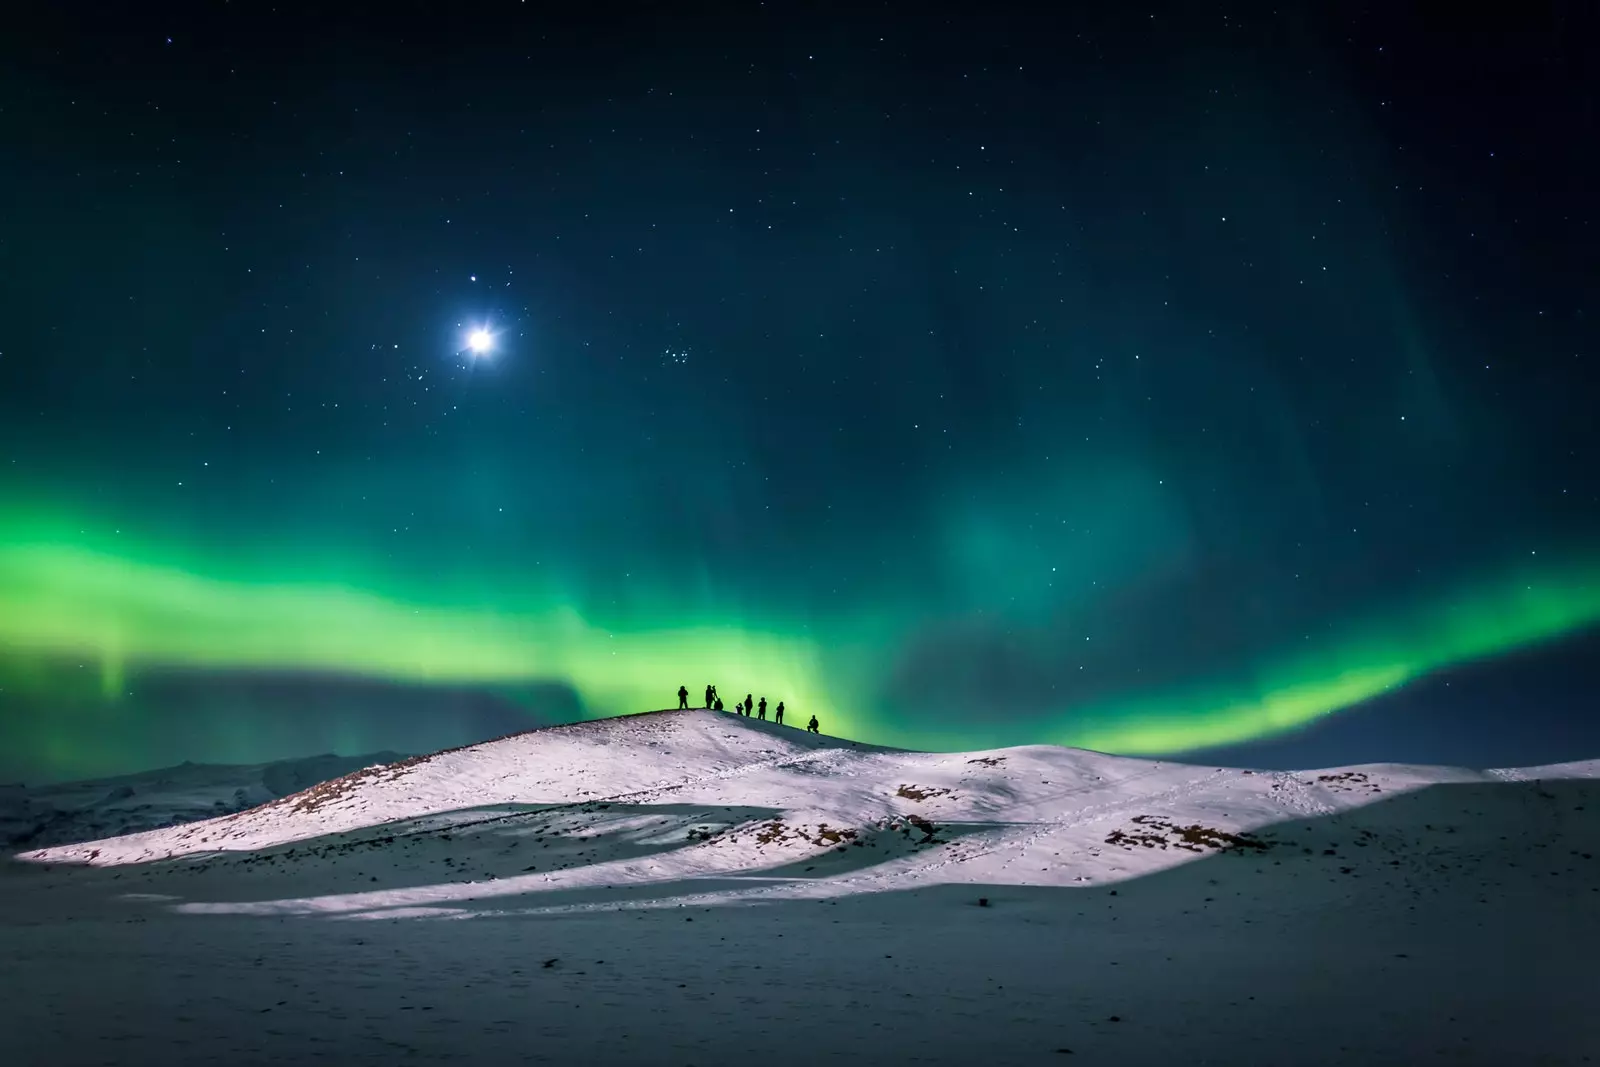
[(662, 803)]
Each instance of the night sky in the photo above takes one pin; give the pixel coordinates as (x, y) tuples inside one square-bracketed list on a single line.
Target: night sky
[(1158, 379)]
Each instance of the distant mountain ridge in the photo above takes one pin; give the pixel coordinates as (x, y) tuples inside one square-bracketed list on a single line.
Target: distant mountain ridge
[(66, 813)]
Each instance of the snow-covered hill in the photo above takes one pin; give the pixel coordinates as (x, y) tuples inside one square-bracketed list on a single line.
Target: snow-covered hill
[(66, 812), (646, 890), (666, 797)]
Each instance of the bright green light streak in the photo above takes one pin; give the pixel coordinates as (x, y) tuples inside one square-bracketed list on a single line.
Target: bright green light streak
[(63, 592), (62, 599), (1524, 609)]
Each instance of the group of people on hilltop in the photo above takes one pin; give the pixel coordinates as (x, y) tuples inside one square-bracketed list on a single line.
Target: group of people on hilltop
[(748, 706)]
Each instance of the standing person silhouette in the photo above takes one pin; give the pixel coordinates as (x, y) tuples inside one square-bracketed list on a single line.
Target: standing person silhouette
[(778, 715), (711, 696), (683, 697), (813, 727), (749, 704), (762, 707)]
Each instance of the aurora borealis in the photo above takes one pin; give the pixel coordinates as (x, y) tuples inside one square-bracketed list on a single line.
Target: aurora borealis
[(1122, 385), (73, 602)]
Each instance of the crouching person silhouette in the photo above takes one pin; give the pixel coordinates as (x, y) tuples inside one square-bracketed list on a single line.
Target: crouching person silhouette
[(813, 727)]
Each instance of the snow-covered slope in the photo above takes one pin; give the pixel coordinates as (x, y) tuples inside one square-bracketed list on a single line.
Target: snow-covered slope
[(65, 812), (662, 799), (693, 888)]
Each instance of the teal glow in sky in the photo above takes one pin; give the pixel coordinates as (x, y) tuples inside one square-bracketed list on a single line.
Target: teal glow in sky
[(1152, 385)]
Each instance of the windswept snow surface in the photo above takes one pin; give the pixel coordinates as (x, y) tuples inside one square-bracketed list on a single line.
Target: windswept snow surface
[(700, 888)]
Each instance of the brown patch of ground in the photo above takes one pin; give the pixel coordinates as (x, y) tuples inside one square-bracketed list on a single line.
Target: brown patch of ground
[(778, 832), (916, 829), (1348, 782), (917, 792), (1154, 832)]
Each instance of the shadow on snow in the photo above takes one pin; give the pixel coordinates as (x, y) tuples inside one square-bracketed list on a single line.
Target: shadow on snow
[(1474, 843)]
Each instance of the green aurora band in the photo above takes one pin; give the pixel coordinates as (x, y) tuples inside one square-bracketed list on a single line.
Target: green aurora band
[(65, 593), (58, 599), (1521, 609)]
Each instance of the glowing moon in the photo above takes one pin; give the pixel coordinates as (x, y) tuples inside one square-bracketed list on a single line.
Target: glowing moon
[(480, 341)]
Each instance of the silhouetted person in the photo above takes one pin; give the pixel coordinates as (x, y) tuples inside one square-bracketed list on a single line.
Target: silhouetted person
[(738, 709), (711, 695), (813, 727), (777, 716), (683, 696), (762, 708), (719, 703), (749, 703)]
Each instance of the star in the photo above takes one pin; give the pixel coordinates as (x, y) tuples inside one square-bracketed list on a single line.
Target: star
[(480, 341)]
